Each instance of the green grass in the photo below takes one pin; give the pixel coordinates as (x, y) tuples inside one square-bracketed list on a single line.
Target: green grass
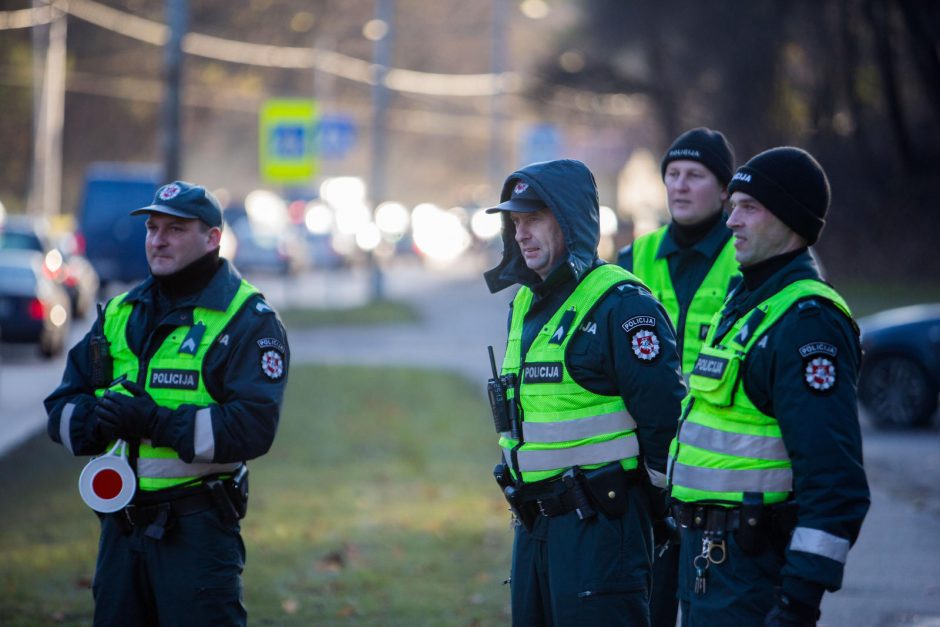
[(379, 312), (374, 507)]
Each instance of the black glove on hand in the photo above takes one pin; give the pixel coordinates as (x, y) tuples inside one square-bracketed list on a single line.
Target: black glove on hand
[(127, 417), (103, 428), (788, 612)]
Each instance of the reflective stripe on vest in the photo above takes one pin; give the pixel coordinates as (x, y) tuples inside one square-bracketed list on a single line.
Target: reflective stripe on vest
[(174, 377), (706, 301), (725, 446), (564, 424)]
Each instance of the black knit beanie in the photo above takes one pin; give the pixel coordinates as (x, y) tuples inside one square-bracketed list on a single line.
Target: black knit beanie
[(791, 184), (708, 147)]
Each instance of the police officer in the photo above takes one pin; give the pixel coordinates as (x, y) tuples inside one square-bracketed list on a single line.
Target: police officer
[(689, 264), (192, 379), (766, 468), (690, 268), (592, 379)]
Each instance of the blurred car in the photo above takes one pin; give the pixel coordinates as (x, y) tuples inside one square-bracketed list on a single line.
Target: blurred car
[(63, 264), (114, 239), (258, 251), (900, 378), (33, 307)]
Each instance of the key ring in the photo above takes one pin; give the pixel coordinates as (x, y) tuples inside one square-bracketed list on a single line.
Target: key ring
[(720, 547)]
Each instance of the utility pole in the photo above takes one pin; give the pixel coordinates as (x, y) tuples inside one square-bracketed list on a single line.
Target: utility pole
[(497, 102), (385, 14), (177, 18), (49, 53)]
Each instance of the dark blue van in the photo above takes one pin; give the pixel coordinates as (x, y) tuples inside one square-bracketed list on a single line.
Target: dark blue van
[(114, 240)]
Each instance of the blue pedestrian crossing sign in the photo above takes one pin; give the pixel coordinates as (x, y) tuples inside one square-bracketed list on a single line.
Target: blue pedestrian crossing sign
[(286, 140), (336, 135)]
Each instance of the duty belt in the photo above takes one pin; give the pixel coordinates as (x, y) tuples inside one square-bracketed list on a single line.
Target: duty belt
[(157, 517), (552, 499), (139, 515), (708, 517)]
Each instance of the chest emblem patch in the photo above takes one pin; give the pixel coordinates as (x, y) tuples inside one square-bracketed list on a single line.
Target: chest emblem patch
[(272, 364), (645, 345), (820, 374)]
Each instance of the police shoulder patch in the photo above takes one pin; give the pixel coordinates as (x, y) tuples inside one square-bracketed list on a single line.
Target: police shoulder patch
[(271, 342), (819, 373), (645, 345), (638, 321), (272, 363), (818, 348)]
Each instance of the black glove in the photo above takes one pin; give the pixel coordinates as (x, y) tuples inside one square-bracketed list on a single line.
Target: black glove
[(103, 429), (788, 612), (126, 417)]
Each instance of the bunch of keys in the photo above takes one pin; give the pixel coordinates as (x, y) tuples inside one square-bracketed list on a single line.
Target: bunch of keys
[(714, 551)]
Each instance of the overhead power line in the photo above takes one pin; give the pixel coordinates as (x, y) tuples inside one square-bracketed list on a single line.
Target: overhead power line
[(264, 55), (329, 61)]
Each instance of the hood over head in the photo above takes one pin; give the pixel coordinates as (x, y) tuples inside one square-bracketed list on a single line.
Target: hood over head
[(568, 189)]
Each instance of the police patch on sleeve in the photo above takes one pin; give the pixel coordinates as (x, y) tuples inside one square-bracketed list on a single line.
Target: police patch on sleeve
[(272, 364), (820, 373), (645, 345)]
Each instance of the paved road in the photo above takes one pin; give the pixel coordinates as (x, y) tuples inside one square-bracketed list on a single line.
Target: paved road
[(893, 574)]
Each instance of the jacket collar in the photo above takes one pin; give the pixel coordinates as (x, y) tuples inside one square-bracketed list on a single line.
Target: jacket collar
[(218, 294)]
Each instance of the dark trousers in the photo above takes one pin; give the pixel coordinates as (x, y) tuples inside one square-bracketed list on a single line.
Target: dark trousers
[(739, 592), (664, 604), (569, 572), (192, 576)]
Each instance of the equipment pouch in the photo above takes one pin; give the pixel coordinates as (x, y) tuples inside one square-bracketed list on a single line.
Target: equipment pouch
[(715, 375), (752, 529), (607, 487), (237, 490), (223, 503)]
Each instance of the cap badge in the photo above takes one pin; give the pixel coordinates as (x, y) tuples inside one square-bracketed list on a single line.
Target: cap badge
[(519, 188), (169, 191)]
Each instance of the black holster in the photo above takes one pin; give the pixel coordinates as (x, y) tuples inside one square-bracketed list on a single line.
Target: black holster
[(525, 513), (237, 489), (222, 501)]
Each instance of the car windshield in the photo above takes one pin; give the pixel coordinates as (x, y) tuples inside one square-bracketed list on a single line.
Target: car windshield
[(19, 241)]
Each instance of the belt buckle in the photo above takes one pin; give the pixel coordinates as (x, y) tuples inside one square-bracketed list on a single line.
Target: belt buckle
[(542, 508)]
